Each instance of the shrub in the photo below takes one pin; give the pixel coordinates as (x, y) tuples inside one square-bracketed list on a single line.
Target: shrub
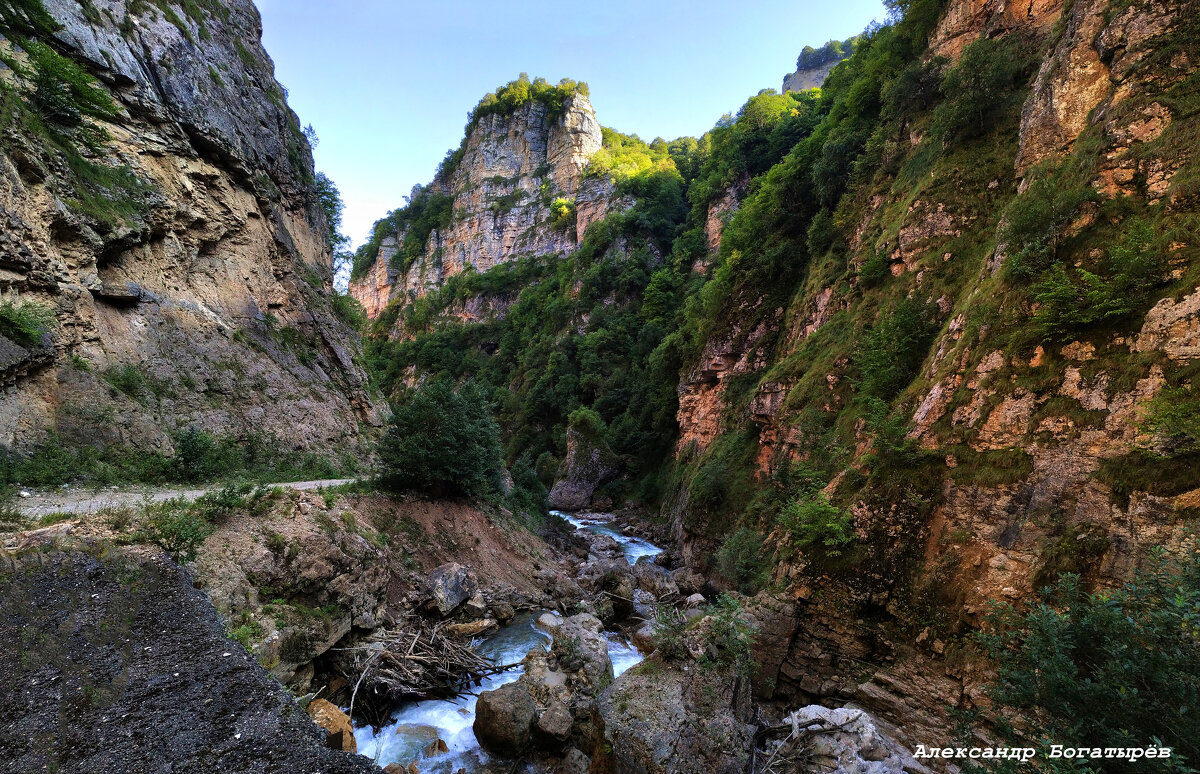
[(978, 85), (1035, 223), (731, 634), (1174, 415), (892, 351), (442, 441), (821, 233), (514, 95), (741, 560), (246, 631), (349, 310), (219, 504), (179, 528), (1073, 299), (198, 455), (587, 422), (1108, 669), (562, 213), (25, 322), (127, 379), (813, 521), (330, 200)]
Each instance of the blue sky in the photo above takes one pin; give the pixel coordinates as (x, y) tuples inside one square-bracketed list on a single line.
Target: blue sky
[(387, 85)]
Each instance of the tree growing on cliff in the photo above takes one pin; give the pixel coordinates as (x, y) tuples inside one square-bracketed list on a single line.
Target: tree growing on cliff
[(442, 441), (1112, 668)]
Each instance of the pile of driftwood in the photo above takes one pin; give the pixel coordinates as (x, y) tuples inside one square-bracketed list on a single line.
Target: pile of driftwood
[(414, 660), (794, 751)]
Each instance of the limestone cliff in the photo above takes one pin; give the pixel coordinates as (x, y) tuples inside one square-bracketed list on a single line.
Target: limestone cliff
[(511, 170), (183, 256), (814, 65)]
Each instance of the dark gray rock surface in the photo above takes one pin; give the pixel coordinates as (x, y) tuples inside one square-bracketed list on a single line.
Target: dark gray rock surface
[(114, 664)]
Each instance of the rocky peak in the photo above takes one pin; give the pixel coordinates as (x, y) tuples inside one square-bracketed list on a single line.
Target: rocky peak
[(511, 170)]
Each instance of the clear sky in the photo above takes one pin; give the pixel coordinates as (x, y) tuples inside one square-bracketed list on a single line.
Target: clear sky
[(388, 85)]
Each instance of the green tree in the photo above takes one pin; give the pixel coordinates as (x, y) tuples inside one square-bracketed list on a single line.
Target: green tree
[(1112, 668), (441, 441), (330, 200)]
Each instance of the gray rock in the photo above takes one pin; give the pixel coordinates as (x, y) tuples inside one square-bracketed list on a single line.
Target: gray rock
[(450, 585), (589, 464), (579, 643), (667, 721), (556, 722), (858, 746), (644, 604), (503, 718), (574, 762)]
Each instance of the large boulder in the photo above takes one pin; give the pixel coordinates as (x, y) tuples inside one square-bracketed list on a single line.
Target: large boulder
[(580, 646), (659, 719), (449, 586), (654, 579), (850, 740), (338, 729), (503, 718), (588, 465)]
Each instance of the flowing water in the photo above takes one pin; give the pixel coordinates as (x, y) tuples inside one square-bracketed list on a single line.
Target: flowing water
[(634, 547), (415, 727)]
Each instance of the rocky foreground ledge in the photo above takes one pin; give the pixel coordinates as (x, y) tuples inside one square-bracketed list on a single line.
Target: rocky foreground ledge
[(114, 663)]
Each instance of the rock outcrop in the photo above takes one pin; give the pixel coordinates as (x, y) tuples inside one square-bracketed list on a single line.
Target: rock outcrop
[(512, 168), (1027, 454), (661, 719), (186, 266), (588, 465)]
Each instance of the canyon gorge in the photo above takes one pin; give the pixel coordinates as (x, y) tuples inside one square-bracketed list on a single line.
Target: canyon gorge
[(796, 446)]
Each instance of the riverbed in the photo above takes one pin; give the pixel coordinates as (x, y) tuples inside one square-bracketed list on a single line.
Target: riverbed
[(416, 727)]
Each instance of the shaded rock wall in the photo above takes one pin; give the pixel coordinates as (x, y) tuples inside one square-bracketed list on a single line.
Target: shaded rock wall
[(211, 282), (125, 667)]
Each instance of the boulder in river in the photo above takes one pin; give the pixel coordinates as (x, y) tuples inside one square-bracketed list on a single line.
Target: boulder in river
[(555, 723), (579, 645), (503, 718), (658, 718), (450, 585)]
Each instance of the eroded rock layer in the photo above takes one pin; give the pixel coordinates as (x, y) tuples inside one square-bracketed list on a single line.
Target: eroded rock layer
[(185, 262)]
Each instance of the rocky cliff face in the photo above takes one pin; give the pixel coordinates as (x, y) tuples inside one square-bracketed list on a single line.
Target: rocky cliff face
[(807, 77), (184, 259), (1027, 443), (513, 168)]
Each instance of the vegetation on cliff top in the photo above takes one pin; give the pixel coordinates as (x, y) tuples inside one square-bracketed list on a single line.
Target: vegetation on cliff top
[(832, 51)]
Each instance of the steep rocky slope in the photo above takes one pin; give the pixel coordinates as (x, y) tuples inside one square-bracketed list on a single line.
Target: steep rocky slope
[(174, 233), (963, 363), (114, 643)]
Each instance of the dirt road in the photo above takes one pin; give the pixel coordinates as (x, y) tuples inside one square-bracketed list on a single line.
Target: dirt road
[(93, 500)]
